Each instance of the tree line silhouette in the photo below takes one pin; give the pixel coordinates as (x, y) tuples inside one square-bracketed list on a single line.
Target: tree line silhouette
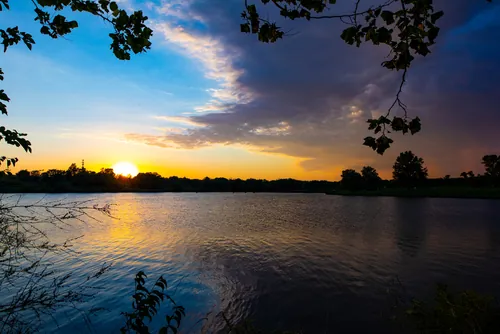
[(76, 179), (409, 171)]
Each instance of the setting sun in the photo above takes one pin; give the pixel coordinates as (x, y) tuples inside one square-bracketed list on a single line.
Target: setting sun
[(125, 169)]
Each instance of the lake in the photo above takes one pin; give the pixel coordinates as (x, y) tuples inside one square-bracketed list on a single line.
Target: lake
[(309, 262)]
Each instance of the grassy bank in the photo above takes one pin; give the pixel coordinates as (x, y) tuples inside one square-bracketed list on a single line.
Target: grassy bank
[(438, 192)]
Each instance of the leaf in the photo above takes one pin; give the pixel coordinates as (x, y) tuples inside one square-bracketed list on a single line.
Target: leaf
[(3, 108), (436, 16), (415, 125), (384, 35), (373, 124), (383, 120), (4, 96), (245, 27), (432, 33), (142, 288), (349, 34), (6, 4), (383, 143), (388, 17), (158, 293), (399, 124), (370, 142), (45, 30)]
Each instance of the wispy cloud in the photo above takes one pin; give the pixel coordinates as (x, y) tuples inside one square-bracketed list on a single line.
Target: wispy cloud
[(179, 119), (178, 26)]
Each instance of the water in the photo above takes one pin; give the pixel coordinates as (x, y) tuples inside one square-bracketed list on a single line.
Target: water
[(310, 262)]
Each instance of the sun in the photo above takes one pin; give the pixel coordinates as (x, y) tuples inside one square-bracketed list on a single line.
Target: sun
[(125, 169)]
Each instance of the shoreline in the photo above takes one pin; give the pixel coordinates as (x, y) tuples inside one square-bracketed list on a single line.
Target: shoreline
[(466, 193), (157, 191)]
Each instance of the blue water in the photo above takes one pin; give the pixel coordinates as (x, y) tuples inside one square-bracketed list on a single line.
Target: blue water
[(307, 262)]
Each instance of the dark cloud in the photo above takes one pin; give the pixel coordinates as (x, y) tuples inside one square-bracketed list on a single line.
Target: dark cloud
[(312, 93)]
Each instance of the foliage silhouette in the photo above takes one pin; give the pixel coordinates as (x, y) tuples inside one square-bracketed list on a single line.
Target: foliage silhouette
[(145, 305), (130, 35), (467, 175), (409, 172), (492, 165), (75, 179), (351, 180), (408, 27), (409, 169), (370, 177)]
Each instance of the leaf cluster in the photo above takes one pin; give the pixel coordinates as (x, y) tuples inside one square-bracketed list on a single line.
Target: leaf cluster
[(410, 29), (397, 124), (146, 303), (267, 32), (407, 31)]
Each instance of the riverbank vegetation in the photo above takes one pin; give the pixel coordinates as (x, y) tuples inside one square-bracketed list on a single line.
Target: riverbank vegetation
[(410, 179), (76, 179)]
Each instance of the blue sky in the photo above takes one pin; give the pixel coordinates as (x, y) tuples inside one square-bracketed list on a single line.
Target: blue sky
[(207, 100)]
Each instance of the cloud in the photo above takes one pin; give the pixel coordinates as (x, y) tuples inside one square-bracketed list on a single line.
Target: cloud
[(178, 119), (214, 57), (308, 95)]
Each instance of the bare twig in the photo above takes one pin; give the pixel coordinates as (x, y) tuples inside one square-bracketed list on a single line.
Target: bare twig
[(27, 262)]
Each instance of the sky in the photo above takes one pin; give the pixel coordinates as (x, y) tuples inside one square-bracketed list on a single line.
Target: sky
[(207, 100)]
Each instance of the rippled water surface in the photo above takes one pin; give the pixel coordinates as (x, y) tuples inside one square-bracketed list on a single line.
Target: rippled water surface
[(310, 262)]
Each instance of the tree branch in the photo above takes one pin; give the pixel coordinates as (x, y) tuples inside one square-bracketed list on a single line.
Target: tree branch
[(355, 13)]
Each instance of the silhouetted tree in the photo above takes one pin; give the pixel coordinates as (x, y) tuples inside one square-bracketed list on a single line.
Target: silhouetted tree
[(75, 180), (107, 171), (371, 179), (148, 181), (72, 170), (23, 175), (409, 169), (492, 165), (351, 180)]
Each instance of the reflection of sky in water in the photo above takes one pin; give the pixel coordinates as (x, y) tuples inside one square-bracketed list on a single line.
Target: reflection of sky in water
[(285, 260)]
